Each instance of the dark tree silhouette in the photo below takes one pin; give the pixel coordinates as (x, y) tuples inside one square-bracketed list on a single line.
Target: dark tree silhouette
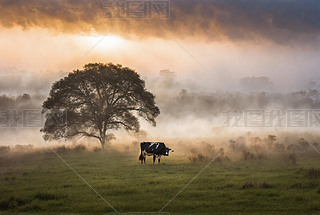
[(95, 100)]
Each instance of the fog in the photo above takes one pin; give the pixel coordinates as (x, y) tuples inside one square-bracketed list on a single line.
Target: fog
[(189, 112), (211, 65)]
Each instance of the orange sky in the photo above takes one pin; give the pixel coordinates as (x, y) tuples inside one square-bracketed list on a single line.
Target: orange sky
[(218, 42)]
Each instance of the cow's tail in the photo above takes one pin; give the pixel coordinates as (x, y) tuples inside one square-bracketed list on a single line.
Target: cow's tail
[(140, 156)]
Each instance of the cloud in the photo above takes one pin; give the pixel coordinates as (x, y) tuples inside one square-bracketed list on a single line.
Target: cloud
[(281, 21)]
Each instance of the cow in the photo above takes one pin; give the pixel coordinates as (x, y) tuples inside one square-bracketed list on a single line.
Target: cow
[(157, 149)]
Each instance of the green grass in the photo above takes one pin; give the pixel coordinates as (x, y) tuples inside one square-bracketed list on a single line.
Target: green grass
[(42, 183)]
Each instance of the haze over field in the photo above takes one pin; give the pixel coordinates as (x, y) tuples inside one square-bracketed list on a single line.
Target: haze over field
[(214, 56)]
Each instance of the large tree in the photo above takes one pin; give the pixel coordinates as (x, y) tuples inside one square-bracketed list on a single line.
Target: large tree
[(95, 100)]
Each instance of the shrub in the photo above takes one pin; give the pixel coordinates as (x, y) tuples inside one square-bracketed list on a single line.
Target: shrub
[(279, 147), (45, 196), (218, 159), (11, 203), (61, 149), (265, 185), (313, 173), (4, 205), (247, 185), (247, 155), (4, 148), (261, 156), (313, 184), (23, 147), (97, 149), (296, 186), (79, 148), (198, 158), (293, 158)]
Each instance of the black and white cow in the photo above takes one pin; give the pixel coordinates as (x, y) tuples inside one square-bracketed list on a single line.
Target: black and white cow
[(157, 149)]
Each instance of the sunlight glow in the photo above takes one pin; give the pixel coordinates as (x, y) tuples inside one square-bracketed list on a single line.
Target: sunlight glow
[(109, 42)]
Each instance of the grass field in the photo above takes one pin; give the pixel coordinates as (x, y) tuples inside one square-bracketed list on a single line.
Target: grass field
[(41, 182)]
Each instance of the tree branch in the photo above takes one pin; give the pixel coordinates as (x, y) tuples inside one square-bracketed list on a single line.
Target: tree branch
[(85, 134), (118, 122)]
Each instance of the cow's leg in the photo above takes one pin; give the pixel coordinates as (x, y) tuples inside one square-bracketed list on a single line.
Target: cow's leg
[(159, 159), (141, 158), (154, 158)]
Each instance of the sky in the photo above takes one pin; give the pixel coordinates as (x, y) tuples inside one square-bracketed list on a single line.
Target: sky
[(213, 41)]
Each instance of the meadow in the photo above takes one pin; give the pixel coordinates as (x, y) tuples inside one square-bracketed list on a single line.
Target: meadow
[(39, 182)]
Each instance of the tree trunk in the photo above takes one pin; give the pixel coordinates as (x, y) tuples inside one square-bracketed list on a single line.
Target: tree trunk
[(103, 142)]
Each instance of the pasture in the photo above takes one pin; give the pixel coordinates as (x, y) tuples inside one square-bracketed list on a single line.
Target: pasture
[(41, 183)]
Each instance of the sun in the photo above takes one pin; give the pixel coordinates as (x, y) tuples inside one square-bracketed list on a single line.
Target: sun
[(103, 42)]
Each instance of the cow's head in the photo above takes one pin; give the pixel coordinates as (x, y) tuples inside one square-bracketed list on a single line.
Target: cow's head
[(167, 151)]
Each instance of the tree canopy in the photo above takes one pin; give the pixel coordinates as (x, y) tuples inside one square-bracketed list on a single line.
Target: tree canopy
[(95, 100)]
